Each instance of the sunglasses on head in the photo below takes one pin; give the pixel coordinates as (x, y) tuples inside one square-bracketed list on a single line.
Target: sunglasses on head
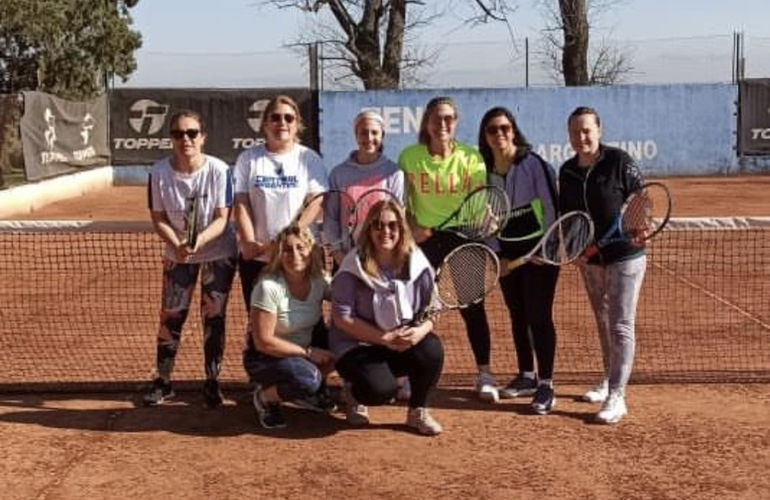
[(380, 225), (192, 133), (494, 129), (287, 117)]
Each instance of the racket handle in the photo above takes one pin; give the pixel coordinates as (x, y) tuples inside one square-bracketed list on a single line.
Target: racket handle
[(513, 264)]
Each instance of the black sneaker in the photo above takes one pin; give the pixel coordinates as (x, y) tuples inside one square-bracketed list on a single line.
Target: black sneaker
[(320, 402), (519, 386), (269, 415), (160, 392), (544, 400), (212, 394)]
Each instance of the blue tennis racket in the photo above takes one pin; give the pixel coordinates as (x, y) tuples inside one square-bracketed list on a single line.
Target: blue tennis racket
[(644, 214)]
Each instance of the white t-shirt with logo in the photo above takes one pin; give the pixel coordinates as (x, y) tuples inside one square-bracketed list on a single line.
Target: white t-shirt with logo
[(277, 185), (173, 192)]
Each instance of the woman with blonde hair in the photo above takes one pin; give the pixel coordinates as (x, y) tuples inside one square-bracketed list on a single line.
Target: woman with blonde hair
[(439, 173), (286, 301), (272, 181), (380, 291)]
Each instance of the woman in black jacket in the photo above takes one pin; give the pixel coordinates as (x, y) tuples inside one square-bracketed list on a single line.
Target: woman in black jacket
[(598, 179)]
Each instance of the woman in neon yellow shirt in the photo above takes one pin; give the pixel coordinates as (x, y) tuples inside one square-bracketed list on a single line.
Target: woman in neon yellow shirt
[(438, 173)]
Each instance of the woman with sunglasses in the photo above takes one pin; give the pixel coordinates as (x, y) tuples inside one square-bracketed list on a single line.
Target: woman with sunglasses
[(366, 168), (281, 358), (529, 290), (439, 173), (272, 181), (381, 287), (190, 177)]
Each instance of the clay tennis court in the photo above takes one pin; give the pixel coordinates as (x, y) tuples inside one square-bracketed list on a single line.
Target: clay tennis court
[(679, 440)]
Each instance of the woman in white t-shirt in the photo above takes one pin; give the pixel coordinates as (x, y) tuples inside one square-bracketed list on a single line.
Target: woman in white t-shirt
[(186, 178), (280, 357), (272, 181)]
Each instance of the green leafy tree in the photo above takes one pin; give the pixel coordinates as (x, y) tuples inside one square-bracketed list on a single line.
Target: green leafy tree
[(70, 48)]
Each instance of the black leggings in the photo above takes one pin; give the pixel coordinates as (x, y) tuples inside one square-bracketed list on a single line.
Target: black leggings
[(435, 249), (529, 292), (372, 371), (248, 270)]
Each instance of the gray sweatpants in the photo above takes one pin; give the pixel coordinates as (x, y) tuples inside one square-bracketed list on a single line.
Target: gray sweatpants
[(613, 291)]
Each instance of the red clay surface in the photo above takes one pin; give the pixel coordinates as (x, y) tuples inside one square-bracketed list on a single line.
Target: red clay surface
[(679, 441)]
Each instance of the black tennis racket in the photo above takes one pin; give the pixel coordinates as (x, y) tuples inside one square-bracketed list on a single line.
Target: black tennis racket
[(192, 220), (565, 240), (643, 215), (316, 209), (466, 275), (482, 214)]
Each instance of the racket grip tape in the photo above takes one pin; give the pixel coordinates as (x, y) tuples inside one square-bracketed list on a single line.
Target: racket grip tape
[(513, 264)]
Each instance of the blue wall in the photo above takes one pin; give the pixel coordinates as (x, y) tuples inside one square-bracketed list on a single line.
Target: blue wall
[(668, 129)]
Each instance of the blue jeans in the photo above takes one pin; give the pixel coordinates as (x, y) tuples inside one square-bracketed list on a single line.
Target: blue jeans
[(294, 377), (613, 291)]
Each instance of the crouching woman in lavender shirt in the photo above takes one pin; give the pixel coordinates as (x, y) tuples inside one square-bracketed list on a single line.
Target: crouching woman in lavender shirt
[(380, 287)]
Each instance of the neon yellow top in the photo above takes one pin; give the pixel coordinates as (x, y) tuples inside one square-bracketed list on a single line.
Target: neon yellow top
[(436, 187)]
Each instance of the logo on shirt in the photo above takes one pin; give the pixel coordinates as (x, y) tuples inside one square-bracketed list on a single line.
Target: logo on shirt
[(276, 182)]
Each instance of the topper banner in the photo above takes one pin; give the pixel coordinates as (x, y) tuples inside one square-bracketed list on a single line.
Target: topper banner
[(754, 122), (60, 136), (139, 120)]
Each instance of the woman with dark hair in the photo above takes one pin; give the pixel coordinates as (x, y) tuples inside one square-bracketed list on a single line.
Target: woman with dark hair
[(188, 176), (381, 288), (440, 172), (528, 290), (598, 180)]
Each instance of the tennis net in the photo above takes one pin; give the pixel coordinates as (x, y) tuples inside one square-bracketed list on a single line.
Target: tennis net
[(80, 304)]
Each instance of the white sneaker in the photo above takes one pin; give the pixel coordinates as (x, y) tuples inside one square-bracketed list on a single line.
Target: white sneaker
[(598, 393), (420, 420), (404, 389), (486, 387), (613, 409)]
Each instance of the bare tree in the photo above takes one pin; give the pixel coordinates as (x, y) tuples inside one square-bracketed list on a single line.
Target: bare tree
[(370, 41), (568, 53)]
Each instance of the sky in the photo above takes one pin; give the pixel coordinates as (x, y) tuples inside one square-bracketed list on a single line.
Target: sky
[(242, 44)]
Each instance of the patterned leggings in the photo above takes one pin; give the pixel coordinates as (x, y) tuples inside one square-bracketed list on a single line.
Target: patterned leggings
[(178, 285)]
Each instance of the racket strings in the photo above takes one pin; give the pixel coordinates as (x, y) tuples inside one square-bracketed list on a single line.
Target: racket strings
[(568, 238), (483, 213), (648, 212), (467, 275)]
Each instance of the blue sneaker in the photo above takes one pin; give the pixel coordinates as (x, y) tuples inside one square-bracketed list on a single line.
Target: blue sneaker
[(519, 386), (544, 400)]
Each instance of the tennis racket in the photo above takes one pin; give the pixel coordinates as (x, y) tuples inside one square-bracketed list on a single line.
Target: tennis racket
[(361, 208), (314, 211), (644, 214), (482, 214), (565, 240), (466, 275), (192, 220)]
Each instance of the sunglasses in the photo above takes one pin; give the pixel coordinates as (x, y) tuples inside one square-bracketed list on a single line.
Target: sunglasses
[(192, 133), (494, 129), (391, 225), (287, 117)]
